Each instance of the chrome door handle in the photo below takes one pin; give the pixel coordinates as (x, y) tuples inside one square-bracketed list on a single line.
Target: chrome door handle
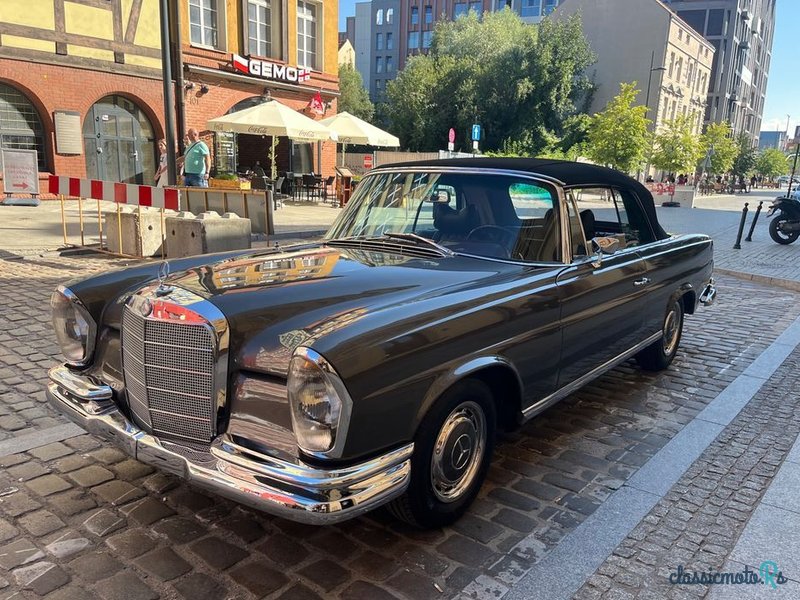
[(641, 282)]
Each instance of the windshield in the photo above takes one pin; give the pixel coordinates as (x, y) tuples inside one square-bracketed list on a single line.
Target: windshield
[(496, 216)]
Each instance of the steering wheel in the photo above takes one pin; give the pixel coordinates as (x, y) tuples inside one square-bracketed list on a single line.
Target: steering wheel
[(492, 233)]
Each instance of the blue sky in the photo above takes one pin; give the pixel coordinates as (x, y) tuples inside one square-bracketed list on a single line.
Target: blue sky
[(783, 87), (347, 8)]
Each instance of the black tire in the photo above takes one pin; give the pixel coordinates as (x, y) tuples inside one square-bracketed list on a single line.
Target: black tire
[(777, 235), (422, 505), (660, 354)]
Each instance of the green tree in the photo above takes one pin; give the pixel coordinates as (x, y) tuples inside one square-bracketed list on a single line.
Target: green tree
[(771, 163), (718, 140), (618, 135), (354, 97), (677, 149), (518, 81), (746, 156)]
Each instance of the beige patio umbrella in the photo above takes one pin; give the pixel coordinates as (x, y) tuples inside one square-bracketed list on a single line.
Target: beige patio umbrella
[(274, 119), (352, 130)]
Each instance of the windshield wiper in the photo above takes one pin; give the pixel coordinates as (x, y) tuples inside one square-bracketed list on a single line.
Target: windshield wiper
[(413, 237)]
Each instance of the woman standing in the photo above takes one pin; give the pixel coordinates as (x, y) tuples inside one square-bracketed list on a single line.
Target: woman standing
[(161, 173)]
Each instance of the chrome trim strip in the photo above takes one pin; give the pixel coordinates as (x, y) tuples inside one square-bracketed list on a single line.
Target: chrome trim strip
[(548, 401), (296, 491), (432, 168)]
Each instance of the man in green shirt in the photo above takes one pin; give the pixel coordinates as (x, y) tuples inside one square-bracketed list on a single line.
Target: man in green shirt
[(196, 161)]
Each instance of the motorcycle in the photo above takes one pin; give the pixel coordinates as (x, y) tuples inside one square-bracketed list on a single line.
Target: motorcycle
[(785, 228)]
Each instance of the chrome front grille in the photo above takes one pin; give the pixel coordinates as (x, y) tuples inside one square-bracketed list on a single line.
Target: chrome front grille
[(171, 376)]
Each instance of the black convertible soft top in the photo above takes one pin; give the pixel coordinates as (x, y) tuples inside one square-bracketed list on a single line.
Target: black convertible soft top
[(571, 174)]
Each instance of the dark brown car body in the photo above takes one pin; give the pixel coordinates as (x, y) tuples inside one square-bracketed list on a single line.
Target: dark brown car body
[(400, 325)]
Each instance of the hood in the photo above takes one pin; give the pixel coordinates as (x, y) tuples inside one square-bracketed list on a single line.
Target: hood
[(275, 302)]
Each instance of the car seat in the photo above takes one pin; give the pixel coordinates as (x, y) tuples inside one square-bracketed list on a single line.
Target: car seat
[(452, 224)]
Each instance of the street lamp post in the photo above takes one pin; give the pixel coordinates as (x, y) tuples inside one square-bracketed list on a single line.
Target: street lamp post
[(650, 78), (647, 100)]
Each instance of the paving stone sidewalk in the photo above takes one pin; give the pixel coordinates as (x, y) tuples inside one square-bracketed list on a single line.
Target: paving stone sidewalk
[(78, 519), (697, 524)]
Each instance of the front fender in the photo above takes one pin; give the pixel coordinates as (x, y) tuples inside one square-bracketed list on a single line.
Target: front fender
[(482, 366)]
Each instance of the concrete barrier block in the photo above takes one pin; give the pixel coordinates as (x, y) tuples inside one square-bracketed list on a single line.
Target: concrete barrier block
[(229, 232), (183, 237), (190, 235), (140, 231)]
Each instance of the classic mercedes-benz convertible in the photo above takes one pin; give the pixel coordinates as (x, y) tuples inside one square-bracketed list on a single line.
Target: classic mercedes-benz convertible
[(319, 381)]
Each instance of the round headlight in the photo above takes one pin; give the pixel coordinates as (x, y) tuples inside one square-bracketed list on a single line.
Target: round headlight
[(75, 329), (320, 405)]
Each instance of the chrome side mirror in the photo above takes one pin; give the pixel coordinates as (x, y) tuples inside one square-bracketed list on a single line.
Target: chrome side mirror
[(603, 245)]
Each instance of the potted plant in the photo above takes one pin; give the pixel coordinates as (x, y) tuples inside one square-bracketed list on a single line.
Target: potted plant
[(228, 181)]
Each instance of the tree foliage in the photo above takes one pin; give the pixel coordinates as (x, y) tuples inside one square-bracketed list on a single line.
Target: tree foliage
[(771, 163), (746, 156), (354, 97), (677, 148), (718, 140), (520, 82), (618, 135)]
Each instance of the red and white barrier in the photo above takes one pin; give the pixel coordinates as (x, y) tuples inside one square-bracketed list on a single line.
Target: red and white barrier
[(121, 193)]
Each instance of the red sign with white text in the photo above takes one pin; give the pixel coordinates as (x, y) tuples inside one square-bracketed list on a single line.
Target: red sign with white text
[(368, 161)]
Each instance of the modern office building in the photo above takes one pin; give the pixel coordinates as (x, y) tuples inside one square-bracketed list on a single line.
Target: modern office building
[(772, 139), (389, 31), (741, 32), (643, 41)]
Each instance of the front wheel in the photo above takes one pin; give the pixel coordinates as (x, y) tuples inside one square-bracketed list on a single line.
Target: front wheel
[(660, 354), (452, 450), (779, 236)]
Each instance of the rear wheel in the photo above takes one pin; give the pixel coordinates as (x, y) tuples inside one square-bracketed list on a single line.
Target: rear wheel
[(452, 450), (779, 236), (659, 355)]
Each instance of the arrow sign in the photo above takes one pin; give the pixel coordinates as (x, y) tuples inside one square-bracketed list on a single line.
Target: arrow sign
[(21, 186)]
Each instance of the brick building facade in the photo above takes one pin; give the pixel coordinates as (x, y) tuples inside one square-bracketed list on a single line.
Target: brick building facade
[(80, 83)]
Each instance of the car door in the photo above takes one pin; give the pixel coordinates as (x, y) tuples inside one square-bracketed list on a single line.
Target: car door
[(602, 297)]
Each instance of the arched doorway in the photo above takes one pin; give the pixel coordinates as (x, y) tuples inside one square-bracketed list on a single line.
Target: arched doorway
[(119, 142), (20, 125)]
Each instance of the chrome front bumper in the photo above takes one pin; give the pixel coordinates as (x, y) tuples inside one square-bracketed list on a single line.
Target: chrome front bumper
[(295, 491)]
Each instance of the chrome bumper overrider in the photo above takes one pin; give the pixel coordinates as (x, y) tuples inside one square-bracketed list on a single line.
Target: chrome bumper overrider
[(709, 294), (295, 491)]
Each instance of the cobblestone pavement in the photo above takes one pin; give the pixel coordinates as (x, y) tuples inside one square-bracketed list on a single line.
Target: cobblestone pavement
[(78, 519), (699, 520)]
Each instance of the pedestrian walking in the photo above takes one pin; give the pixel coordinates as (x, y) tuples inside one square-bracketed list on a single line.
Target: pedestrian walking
[(196, 161), (161, 173)]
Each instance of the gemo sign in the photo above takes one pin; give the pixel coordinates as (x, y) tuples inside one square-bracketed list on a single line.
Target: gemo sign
[(269, 70)]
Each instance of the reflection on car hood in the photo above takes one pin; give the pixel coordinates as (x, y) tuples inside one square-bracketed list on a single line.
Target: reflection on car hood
[(275, 302)]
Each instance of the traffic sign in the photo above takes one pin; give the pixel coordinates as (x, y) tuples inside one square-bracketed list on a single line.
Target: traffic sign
[(368, 161), (476, 132), (451, 136), (20, 172)]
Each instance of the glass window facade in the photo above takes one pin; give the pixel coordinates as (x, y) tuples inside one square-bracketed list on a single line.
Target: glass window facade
[(203, 22), (307, 19)]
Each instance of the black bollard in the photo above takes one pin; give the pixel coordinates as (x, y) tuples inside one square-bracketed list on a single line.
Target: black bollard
[(749, 237), (738, 244)]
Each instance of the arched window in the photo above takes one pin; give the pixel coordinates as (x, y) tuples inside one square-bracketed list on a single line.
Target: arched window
[(20, 125)]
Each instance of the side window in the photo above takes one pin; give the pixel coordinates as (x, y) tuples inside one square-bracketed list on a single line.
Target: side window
[(605, 212), (538, 235)]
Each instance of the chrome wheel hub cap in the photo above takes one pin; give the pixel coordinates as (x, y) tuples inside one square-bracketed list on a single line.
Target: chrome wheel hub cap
[(671, 330), (458, 451)]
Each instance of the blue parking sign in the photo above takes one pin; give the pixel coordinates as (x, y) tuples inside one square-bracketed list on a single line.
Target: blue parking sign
[(476, 132)]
